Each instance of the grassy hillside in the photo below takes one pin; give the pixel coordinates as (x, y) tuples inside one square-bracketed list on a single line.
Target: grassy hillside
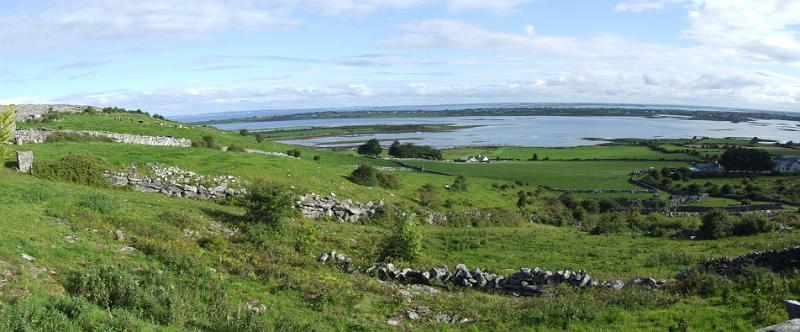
[(198, 265)]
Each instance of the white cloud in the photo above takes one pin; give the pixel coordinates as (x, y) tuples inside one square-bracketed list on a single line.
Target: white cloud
[(643, 5), (763, 30)]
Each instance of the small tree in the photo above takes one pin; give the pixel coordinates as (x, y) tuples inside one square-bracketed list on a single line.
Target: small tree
[(459, 184), (371, 148), (259, 137), (405, 242), (715, 225), (535, 157), (394, 149), (269, 202), (244, 132), (6, 124)]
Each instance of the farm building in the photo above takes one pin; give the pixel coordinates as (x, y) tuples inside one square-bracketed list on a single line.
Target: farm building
[(475, 159), (787, 164)]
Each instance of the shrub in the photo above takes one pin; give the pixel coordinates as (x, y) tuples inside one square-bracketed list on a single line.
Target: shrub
[(77, 168), (259, 137), (387, 180), (317, 158), (99, 202), (715, 225), (244, 132), (236, 148), (610, 223), (206, 142), (365, 175), (428, 195), (6, 122), (405, 241), (459, 184), (293, 153), (752, 223), (269, 202)]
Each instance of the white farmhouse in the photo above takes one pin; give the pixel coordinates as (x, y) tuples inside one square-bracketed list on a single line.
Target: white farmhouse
[(787, 164)]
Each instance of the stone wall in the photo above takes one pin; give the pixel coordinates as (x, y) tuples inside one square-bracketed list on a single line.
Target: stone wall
[(27, 112), (173, 181), (24, 161), (40, 135), (775, 260), (314, 206), (525, 282)]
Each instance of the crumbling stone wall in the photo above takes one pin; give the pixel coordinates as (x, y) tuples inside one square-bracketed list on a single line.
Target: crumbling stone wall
[(314, 206), (775, 260), (173, 181)]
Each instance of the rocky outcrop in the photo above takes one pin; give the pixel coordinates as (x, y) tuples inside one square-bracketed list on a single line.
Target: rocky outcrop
[(525, 282), (27, 112), (314, 206), (775, 260), (173, 181), (40, 135)]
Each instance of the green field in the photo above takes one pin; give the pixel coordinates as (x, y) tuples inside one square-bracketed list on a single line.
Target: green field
[(557, 174), (583, 152)]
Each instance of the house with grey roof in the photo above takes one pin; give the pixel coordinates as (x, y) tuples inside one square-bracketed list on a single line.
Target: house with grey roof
[(787, 164)]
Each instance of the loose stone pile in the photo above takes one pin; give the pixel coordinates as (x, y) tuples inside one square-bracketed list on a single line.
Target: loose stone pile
[(314, 206), (775, 260), (174, 181), (525, 282)]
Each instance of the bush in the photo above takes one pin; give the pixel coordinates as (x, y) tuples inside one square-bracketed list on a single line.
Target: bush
[(428, 195), (405, 241), (365, 175), (752, 223), (244, 132), (206, 142), (317, 158), (77, 168), (259, 137), (236, 148), (459, 184), (293, 153), (98, 202), (269, 202), (387, 180), (715, 225), (610, 223)]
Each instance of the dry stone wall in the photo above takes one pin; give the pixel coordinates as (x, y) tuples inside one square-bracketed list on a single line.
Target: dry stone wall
[(525, 282), (775, 260), (40, 135)]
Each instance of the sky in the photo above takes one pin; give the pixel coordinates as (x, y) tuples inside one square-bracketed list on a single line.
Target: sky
[(177, 57)]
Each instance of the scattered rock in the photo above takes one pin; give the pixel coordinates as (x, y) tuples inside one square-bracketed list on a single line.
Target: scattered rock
[(127, 250), (28, 257), (393, 322), (119, 235), (71, 239), (255, 306), (422, 310), (412, 315)]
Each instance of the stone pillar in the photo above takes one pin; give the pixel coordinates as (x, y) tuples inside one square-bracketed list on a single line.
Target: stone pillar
[(24, 161)]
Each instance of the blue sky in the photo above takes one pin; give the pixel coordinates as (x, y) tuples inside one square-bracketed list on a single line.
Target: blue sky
[(182, 57)]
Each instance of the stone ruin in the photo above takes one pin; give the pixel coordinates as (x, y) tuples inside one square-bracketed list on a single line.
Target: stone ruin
[(24, 161), (525, 282), (174, 181), (314, 206)]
